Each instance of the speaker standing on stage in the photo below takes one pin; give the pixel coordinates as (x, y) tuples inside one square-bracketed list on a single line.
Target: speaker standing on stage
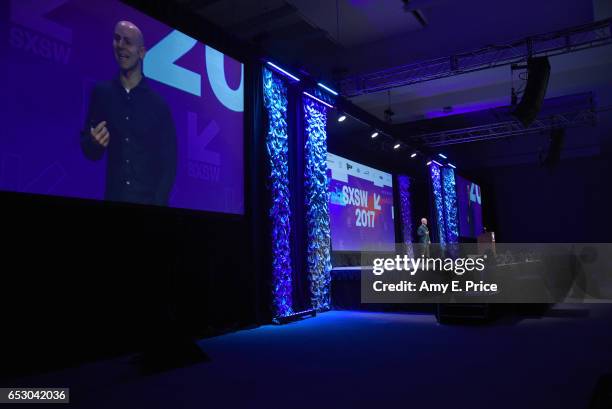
[(423, 233)]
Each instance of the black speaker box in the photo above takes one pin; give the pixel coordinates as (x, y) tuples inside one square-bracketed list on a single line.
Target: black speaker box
[(553, 156), (538, 69)]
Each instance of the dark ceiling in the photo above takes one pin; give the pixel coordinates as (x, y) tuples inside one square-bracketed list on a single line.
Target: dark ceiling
[(332, 39)]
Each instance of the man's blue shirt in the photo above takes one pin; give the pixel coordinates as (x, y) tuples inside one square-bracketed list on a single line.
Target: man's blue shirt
[(141, 154)]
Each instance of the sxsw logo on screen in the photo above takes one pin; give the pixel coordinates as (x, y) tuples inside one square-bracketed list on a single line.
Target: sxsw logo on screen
[(34, 33), (203, 164)]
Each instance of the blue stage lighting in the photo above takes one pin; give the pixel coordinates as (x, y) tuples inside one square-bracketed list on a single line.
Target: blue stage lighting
[(327, 89), (279, 69), (318, 100)]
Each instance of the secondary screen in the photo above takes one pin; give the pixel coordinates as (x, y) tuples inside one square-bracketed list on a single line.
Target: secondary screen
[(360, 206), (72, 127), (469, 203)]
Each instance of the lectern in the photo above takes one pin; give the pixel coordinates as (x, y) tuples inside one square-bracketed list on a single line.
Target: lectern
[(486, 241)]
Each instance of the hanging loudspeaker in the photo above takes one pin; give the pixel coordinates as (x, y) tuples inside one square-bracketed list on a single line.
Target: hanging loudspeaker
[(538, 69)]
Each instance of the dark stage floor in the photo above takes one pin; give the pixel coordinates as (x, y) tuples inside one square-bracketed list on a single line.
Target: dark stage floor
[(343, 359)]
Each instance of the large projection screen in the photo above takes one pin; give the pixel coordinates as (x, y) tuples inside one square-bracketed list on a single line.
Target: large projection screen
[(175, 140), (469, 206), (360, 206)]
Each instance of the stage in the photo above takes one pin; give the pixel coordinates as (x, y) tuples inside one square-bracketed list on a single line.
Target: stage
[(368, 359)]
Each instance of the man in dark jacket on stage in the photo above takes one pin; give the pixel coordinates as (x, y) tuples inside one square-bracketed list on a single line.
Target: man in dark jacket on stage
[(424, 240)]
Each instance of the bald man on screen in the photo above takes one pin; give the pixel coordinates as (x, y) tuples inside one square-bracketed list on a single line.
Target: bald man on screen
[(133, 125)]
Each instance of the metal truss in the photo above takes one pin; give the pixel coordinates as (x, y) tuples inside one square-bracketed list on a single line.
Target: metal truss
[(556, 43), (583, 117)]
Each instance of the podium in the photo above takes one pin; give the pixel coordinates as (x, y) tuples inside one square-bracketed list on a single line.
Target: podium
[(486, 241)]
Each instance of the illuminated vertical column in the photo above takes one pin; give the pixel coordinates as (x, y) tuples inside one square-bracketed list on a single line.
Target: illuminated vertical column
[(275, 101), (405, 212), (436, 184), (450, 205), (316, 202)]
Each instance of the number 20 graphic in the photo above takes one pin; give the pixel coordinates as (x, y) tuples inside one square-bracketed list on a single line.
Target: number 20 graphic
[(159, 64)]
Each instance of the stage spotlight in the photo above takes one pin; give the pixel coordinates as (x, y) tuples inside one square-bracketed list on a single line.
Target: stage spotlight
[(442, 156), (428, 163), (436, 162), (397, 146), (413, 155), (294, 317), (341, 118), (374, 134), (452, 166)]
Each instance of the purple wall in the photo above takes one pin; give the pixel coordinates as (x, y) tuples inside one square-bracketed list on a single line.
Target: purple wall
[(565, 204)]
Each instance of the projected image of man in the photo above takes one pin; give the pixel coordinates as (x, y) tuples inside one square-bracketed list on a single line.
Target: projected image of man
[(133, 125)]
